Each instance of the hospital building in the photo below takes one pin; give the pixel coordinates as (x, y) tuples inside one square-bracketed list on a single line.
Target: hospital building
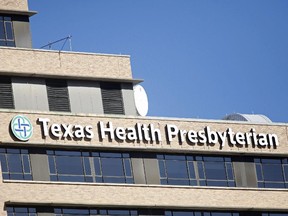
[(75, 140)]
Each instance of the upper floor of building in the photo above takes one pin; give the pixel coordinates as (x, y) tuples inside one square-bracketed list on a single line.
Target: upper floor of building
[(14, 23)]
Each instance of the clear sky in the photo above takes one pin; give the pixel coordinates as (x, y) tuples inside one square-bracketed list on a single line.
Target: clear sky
[(198, 58)]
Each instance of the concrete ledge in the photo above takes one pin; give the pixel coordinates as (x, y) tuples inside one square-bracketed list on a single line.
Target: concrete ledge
[(18, 12)]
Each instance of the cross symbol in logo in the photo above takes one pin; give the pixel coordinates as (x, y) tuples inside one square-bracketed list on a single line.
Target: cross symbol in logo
[(21, 128)]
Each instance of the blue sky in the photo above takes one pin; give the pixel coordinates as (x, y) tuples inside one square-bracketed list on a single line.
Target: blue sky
[(198, 58)]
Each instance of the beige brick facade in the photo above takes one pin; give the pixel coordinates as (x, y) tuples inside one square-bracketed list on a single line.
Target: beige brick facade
[(41, 63), (14, 5), (141, 196)]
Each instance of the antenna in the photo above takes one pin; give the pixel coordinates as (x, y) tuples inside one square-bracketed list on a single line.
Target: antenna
[(68, 38)]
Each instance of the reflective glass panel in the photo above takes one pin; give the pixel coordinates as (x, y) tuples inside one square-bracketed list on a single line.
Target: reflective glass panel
[(215, 170), (69, 165), (272, 172), (176, 169), (112, 167)]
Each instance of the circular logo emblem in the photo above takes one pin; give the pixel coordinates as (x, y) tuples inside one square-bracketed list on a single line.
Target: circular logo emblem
[(21, 128)]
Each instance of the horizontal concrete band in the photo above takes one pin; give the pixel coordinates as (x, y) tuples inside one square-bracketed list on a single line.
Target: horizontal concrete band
[(134, 196), (134, 123)]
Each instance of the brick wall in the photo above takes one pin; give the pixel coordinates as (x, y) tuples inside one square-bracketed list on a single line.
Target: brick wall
[(138, 196), (52, 63), (13, 5)]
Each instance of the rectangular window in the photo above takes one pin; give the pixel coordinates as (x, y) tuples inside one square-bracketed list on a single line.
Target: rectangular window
[(199, 213), (6, 93), (21, 211), (88, 212), (112, 98), (113, 167), (196, 170), (58, 96), (90, 167), (6, 31), (15, 164), (272, 173)]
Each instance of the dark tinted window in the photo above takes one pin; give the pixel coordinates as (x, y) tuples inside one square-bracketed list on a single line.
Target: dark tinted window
[(6, 32), (113, 168), (182, 170), (15, 164), (82, 212), (272, 173), (90, 167)]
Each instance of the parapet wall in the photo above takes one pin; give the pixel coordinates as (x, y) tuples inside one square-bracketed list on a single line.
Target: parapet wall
[(21, 5), (45, 63)]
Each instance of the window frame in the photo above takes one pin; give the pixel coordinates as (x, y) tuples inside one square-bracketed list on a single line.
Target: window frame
[(196, 165), (24, 160), (91, 172), (6, 20)]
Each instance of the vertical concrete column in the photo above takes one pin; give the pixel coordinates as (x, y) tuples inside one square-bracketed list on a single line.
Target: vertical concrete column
[(145, 169), (138, 169), (128, 99), (85, 97), (22, 33), (152, 171), (30, 94), (245, 174), (39, 166), (45, 214)]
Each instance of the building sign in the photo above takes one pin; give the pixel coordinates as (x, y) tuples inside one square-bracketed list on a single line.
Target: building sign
[(21, 128), (149, 133)]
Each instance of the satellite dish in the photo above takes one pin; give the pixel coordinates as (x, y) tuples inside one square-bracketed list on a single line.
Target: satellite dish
[(141, 100)]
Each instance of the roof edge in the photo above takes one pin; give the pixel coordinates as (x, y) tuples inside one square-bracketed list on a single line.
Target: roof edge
[(19, 12)]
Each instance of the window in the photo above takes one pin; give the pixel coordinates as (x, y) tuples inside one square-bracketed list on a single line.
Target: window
[(272, 173), (6, 32), (196, 170), (113, 167), (6, 94), (82, 212), (58, 211), (215, 171), (176, 170), (112, 98), (275, 214), (68, 166), (199, 213), (15, 164), (58, 97), (21, 211), (90, 167)]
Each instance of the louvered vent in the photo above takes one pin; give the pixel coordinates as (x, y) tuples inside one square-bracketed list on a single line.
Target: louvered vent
[(112, 98), (58, 97), (6, 94)]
